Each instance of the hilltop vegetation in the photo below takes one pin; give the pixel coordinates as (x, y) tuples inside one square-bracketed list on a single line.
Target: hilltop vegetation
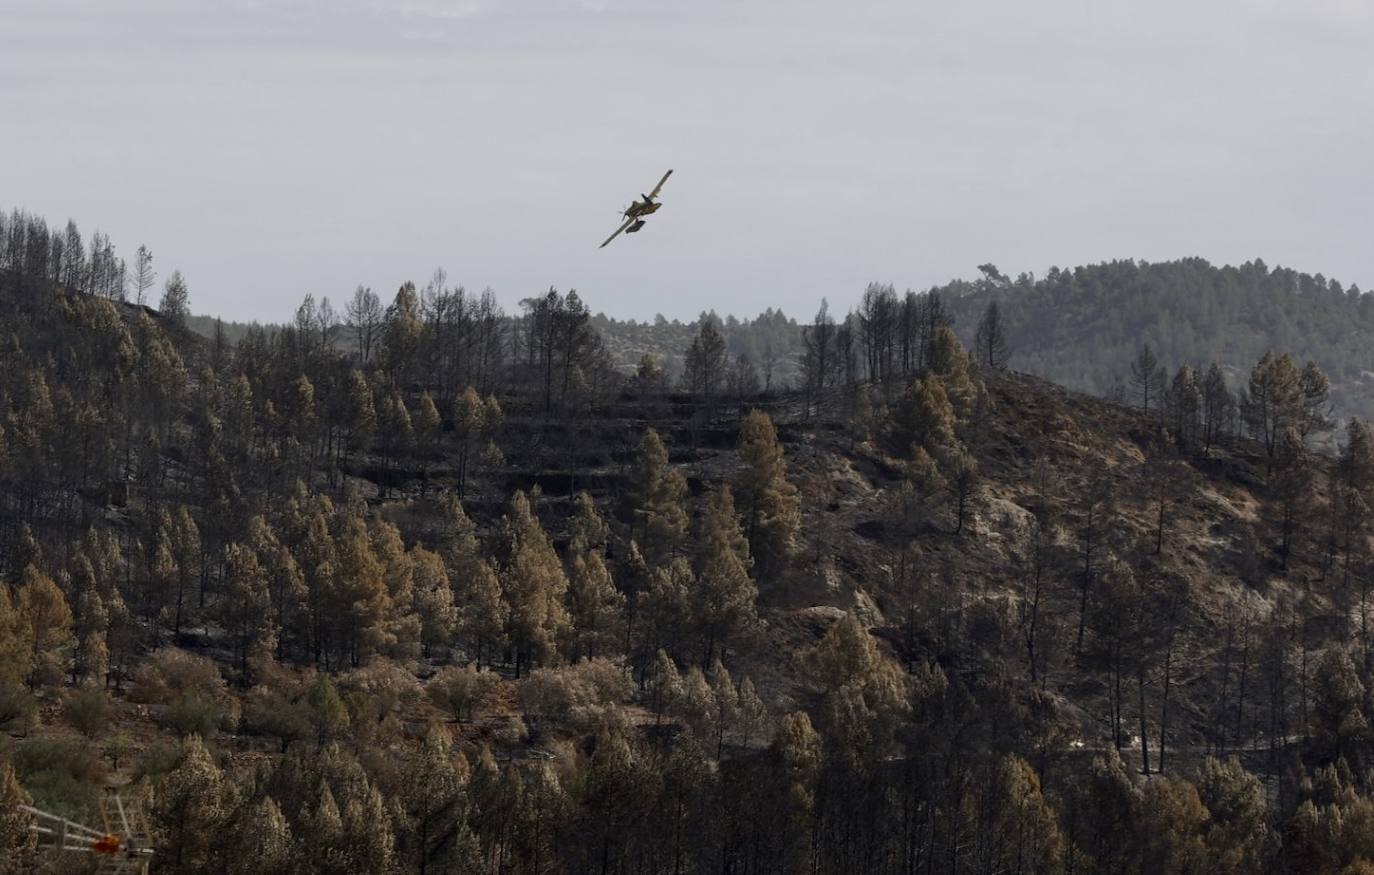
[(1083, 327), (432, 588)]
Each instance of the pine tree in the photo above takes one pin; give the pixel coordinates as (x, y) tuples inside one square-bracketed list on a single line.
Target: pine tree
[(262, 842), (1315, 414), (1218, 407), (818, 354), (725, 704), (924, 417), (401, 334), (595, 606), (589, 530), (327, 714), (534, 585), (90, 625), (771, 505), (162, 583), (322, 831), (143, 275), (175, 305), (178, 557), (398, 572), (696, 708), (953, 364), (1145, 377), (705, 362), (42, 624), (1291, 485), (990, 341), (1183, 406), (1172, 827), (428, 426), (753, 714), (433, 599), (483, 612), (369, 840), (665, 610), (359, 604), (798, 751), (192, 803), (362, 415), (16, 837), (963, 478), (396, 428), (302, 414), (469, 424), (1281, 397), (664, 685), (725, 595), (285, 583), (238, 416), (248, 605), (1024, 827), (435, 780), (1235, 803), (655, 501)]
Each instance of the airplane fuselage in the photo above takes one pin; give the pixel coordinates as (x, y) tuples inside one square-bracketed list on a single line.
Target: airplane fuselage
[(641, 208)]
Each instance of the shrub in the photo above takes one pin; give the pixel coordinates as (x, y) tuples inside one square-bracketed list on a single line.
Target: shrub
[(461, 691), (587, 693), (196, 695), (157, 759), (375, 695), (62, 774), (191, 713), (170, 673), (327, 713), (279, 713), (18, 708), (118, 747), (88, 710)]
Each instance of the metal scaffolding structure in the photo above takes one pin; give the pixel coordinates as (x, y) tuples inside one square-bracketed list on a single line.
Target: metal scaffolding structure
[(122, 846)]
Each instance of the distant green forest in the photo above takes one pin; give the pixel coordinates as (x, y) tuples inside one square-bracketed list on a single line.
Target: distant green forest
[(1082, 327)]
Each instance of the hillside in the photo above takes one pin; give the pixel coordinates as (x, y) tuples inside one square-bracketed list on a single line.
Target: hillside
[(477, 603)]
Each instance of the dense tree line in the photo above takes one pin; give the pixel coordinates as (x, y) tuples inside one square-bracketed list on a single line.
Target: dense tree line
[(1082, 327)]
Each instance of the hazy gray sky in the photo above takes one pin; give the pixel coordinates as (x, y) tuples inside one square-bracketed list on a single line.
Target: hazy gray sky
[(270, 148)]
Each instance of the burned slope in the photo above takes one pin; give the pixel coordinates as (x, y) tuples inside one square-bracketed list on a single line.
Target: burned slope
[(1100, 565)]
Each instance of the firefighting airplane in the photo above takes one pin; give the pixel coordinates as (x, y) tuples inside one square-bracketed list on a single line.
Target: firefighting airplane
[(635, 212)]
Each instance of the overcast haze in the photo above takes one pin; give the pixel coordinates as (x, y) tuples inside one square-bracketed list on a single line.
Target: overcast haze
[(269, 149)]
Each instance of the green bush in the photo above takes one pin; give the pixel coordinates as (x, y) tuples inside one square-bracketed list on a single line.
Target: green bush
[(192, 713), (63, 775), (118, 748), (18, 708), (157, 759), (269, 712), (88, 710)]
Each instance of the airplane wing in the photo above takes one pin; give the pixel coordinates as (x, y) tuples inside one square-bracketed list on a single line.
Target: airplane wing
[(628, 223), (653, 194)]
